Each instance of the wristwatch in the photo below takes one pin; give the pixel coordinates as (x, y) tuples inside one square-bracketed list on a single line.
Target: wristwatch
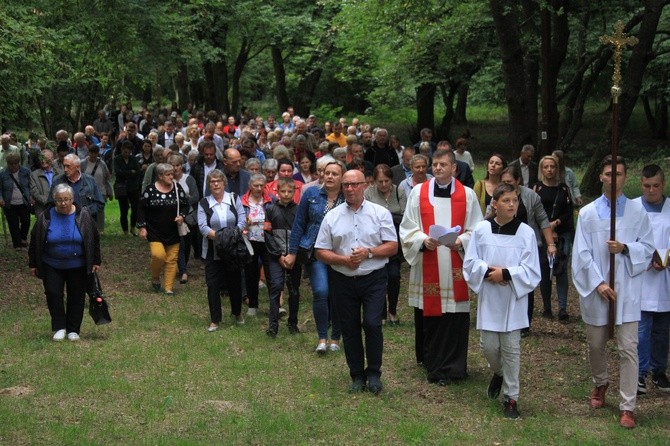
[(369, 253)]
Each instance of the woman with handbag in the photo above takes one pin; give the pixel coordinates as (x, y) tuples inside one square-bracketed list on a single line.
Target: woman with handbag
[(161, 211), (65, 252), (384, 193), (218, 211), (126, 187), (557, 203), (315, 203), (187, 183)]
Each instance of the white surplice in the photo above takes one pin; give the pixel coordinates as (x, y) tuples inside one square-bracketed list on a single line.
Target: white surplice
[(502, 308), (412, 236), (656, 296), (590, 262)]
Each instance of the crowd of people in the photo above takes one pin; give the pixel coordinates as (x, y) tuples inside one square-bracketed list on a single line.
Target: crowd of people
[(344, 205)]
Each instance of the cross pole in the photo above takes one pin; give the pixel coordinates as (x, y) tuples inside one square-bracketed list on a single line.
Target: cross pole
[(618, 42)]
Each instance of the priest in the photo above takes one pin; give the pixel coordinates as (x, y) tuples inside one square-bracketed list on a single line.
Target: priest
[(633, 247), (437, 290)]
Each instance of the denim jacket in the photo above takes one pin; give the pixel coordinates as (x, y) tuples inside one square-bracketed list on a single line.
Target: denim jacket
[(311, 210)]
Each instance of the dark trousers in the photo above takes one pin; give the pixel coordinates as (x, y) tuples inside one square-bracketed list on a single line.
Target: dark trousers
[(441, 344), (130, 201), (184, 253), (218, 277), (277, 277), (76, 280), (350, 294), (18, 221), (252, 272), (393, 287)]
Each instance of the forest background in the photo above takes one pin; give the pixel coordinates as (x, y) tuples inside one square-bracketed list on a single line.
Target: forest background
[(406, 63)]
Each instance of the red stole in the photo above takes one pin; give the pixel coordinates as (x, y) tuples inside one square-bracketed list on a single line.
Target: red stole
[(432, 302)]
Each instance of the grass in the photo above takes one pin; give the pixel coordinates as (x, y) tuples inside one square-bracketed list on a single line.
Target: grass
[(156, 376)]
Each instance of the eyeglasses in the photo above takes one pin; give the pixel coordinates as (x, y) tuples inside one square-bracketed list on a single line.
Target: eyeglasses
[(215, 181), (352, 185), (63, 200)]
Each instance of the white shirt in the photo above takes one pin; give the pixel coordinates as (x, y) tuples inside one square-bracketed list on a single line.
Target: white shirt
[(343, 229)]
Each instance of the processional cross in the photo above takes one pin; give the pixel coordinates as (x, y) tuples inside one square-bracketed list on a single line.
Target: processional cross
[(618, 41)]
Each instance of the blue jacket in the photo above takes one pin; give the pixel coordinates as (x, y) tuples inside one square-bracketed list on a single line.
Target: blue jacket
[(311, 210), (7, 184)]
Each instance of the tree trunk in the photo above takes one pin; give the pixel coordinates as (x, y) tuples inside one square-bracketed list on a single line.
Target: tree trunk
[(448, 97), (425, 106), (649, 114), (312, 74), (514, 72), (182, 90), (280, 77), (240, 63), (662, 118), (460, 113)]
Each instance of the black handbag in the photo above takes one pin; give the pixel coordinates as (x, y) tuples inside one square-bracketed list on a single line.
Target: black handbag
[(97, 307)]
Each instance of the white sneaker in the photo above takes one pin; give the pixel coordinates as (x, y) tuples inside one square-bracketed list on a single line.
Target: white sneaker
[(321, 348), (73, 336), (282, 313), (261, 284), (252, 311), (333, 347), (59, 335)]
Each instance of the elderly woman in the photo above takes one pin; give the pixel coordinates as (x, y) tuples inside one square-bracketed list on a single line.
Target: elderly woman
[(384, 193), (253, 165), (215, 212), (255, 202), (64, 252), (96, 168), (419, 166), (314, 205), (484, 188), (15, 199), (158, 219), (187, 183), (270, 169), (127, 186)]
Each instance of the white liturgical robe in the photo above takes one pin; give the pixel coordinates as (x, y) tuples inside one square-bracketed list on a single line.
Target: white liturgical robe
[(590, 262)]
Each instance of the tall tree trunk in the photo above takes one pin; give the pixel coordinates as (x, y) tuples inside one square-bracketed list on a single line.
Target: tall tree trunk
[(425, 106), (182, 87), (662, 118), (514, 72), (460, 112), (448, 97), (240, 63), (312, 74), (649, 114), (280, 77)]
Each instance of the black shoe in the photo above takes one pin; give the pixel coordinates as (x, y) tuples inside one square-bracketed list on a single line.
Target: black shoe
[(357, 386), (375, 385), (494, 386), (661, 381), (156, 286), (271, 332), (641, 387), (525, 332), (563, 315), (547, 314), (511, 410), (293, 329)]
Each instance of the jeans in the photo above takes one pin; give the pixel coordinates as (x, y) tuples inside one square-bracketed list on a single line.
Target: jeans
[(252, 272), (76, 280), (322, 302), (561, 279), (653, 342), (184, 253), (277, 277), (353, 294)]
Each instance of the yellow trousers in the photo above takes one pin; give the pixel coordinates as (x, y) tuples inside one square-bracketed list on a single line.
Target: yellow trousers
[(162, 255)]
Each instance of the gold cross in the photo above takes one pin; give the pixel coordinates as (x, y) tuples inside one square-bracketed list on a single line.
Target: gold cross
[(618, 41)]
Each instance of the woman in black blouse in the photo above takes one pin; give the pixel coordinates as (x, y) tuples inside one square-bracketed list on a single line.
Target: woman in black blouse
[(158, 219), (558, 205)]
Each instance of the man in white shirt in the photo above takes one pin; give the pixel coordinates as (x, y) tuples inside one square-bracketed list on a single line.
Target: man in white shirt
[(356, 239), (633, 246)]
